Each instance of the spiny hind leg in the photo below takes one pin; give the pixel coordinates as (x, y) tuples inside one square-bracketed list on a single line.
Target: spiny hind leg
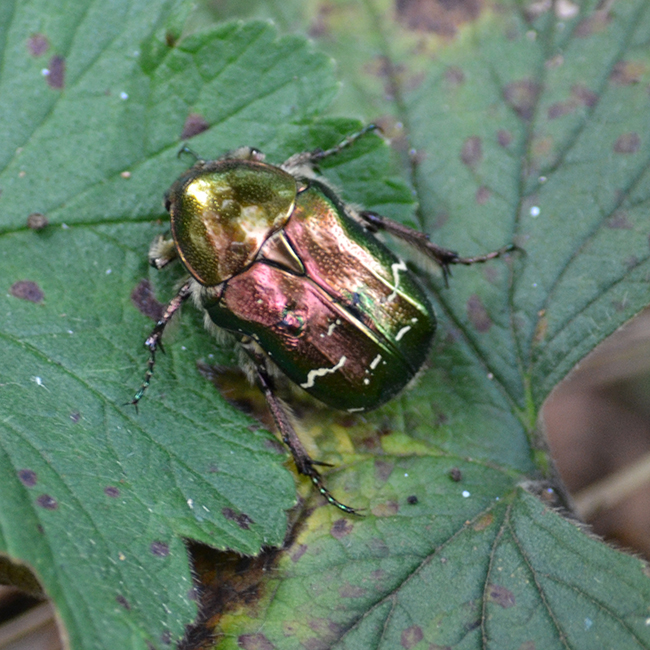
[(304, 462)]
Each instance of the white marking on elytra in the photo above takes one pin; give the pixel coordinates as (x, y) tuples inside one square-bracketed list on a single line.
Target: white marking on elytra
[(366, 381), (401, 333), (398, 266), (414, 320), (357, 410), (332, 327), (321, 372), (375, 362)]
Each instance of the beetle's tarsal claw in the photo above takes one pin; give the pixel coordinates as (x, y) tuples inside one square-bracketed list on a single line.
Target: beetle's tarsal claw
[(320, 463), (317, 480)]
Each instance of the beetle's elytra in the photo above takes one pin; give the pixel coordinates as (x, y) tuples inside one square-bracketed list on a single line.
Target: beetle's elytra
[(295, 276)]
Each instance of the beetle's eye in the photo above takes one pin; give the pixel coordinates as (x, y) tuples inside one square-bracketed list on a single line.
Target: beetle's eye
[(168, 203)]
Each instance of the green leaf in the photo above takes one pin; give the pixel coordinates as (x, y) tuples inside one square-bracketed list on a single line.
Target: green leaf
[(466, 573), (515, 123), (98, 497)]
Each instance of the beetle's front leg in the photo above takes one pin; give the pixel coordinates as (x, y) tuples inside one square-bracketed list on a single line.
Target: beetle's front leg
[(311, 158), (162, 251), (421, 242), (154, 340), (304, 463)]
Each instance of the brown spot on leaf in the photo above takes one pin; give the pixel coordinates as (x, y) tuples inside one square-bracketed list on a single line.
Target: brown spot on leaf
[(541, 146), (472, 151), (170, 39), (411, 636), (483, 195), (527, 645), (521, 96), (75, 416), (37, 44), (385, 509), (619, 221), (439, 16), (559, 109), (320, 27), (441, 219), (501, 596), (627, 143), (533, 10), (477, 314), (111, 491), (484, 522), (383, 470), (26, 290), (455, 474), (145, 302), (298, 552), (473, 625), (27, 477), (254, 642), (454, 75), (56, 72), (36, 221), (327, 630), (625, 73), (194, 124), (340, 528), (241, 519), (352, 591), (504, 138), (123, 601), (490, 273), (378, 575), (159, 549), (584, 96), (596, 23), (47, 502), (540, 330), (554, 62)]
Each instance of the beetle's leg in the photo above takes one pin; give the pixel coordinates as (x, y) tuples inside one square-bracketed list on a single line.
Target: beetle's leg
[(153, 341), (162, 251), (310, 158), (319, 154), (304, 463), (421, 242)]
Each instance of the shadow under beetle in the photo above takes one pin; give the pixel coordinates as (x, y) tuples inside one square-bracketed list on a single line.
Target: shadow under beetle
[(294, 277)]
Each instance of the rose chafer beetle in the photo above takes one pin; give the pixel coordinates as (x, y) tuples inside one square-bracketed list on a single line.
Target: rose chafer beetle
[(295, 277)]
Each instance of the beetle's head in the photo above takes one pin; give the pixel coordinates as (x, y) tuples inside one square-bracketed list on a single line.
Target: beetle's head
[(223, 211)]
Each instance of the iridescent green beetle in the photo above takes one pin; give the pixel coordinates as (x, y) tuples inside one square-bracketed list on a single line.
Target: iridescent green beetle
[(296, 277)]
